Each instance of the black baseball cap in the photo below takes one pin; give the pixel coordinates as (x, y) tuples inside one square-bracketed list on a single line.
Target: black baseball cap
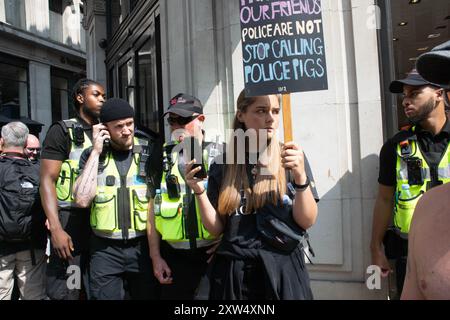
[(412, 79), (435, 65), (184, 105)]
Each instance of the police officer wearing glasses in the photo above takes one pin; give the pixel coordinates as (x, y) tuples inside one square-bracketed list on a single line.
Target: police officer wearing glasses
[(179, 243)]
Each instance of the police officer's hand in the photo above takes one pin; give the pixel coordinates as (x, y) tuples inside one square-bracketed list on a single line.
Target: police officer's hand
[(161, 270), (62, 244), (194, 183), (379, 259), (99, 134), (292, 158)]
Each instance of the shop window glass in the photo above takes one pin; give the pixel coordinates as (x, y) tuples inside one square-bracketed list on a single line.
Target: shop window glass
[(15, 13), (148, 108), (13, 91), (61, 107), (127, 83), (119, 11)]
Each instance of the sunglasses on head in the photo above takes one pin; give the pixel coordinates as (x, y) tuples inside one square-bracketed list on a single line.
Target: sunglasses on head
[(180, 120)]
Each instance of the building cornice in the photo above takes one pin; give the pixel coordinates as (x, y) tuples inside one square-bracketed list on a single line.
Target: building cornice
[(42, 42)]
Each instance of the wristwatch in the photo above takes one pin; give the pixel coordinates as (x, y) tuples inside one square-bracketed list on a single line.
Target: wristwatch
[(301, 187)]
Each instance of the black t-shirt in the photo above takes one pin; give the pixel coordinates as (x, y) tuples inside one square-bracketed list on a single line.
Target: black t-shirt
[(57, 143), (216, 173), (241, 230), (432, 148)]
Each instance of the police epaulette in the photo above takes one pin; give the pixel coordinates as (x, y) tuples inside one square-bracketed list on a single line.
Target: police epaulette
[(63, 125)]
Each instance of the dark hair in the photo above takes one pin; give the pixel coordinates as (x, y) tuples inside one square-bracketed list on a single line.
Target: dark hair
[(79, 88)]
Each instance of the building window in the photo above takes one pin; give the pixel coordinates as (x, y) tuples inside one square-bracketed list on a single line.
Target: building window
[(13, 91), (126, 81), (56, 20), (117, 12), (62, 83), (132, 61), (133, 4), (147, 108), (111, 82), (55, 6), (61, 108), (15, 13)]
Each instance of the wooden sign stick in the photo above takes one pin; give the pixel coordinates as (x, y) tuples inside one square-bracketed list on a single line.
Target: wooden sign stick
[(287, 118)]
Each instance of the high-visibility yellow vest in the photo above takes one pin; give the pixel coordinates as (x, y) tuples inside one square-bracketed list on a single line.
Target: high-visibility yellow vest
[(120, 201), (406, 201), (171, 220), (69, 168)]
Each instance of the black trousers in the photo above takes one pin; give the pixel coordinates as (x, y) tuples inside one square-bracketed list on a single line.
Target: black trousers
[(400, 271), (76, 224), (119, 267), (188, 272)]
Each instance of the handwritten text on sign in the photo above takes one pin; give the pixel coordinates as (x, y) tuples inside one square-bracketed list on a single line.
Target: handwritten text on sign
[(283, 46)]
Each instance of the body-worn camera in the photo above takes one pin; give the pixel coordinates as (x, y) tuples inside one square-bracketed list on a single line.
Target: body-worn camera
[(415, 175), (78, 134), (173, 186)]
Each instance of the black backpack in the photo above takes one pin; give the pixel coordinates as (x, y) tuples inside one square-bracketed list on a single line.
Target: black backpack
[(19, 198)]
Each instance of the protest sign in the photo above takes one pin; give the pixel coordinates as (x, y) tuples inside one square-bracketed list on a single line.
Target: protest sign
[(283, 46)]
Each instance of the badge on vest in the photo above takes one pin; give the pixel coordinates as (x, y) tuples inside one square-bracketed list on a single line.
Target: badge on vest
[(138, 180), (405, 148)]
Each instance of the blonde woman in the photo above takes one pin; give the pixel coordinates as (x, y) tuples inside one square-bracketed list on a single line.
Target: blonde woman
[(246, 266)]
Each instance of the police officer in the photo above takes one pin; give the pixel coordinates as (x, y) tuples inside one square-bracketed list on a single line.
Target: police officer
[(113, 182), (179, 243), (411, 163), (68, 225), (428, 259)]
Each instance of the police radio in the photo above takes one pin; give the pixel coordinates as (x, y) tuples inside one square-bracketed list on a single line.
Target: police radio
[(78, 134), (143, 158), (105, 149)]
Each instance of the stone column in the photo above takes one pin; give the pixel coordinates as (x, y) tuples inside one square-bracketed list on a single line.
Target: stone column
[(95, 25)]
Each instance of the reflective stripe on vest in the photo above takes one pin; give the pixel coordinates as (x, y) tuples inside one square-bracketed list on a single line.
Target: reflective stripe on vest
[(69, 168), (405, 205), (107, 204), (170, 222)]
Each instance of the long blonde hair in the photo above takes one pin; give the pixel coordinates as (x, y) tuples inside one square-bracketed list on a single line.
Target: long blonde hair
[(266, 189)]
